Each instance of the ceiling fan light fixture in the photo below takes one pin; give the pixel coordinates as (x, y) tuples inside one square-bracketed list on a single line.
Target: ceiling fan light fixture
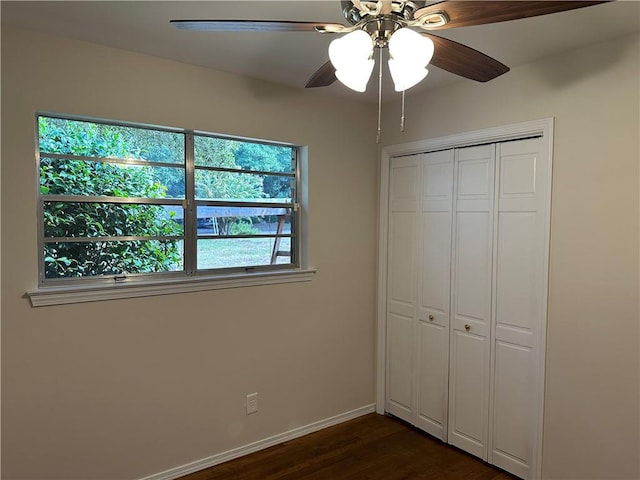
[(409, 54), (405, 75), (352, 57), (354, 47), (409, 46)]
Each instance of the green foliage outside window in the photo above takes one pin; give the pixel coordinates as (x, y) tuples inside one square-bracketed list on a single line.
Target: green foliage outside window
[(65, 219), (221, 167)]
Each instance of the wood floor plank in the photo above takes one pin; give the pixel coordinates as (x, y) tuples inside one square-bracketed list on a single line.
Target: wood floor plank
[(371, 447)]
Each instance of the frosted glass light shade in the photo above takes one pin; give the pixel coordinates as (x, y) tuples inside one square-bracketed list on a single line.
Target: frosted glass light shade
[(410, 52), (405, 74), (356, 76), (410, 46), (351, 57)]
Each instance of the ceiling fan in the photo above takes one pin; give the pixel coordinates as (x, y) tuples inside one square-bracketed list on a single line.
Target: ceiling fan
[(403, 27), (382, 19)]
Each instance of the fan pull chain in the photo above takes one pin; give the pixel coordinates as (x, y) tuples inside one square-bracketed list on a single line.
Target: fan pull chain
[(402, 114), (379, 98)]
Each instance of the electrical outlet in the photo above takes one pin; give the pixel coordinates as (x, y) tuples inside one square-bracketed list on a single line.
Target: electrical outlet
[(252, 403)]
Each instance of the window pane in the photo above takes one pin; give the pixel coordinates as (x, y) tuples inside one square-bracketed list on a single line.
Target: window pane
[(75, 177), (64, 219), (212, 185), (284, 247), (74, 137), (243, 220), (241, 252), (95, 237), (225, 153), (112, 258)]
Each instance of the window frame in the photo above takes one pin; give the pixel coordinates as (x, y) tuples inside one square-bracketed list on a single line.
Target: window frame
[(190, 277)]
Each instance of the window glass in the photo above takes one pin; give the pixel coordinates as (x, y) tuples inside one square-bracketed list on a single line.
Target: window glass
[(77, 220), (114, 202), (91, 259), (60, 176), (237, 154), (91, 139), (240, 252), (249, 187)]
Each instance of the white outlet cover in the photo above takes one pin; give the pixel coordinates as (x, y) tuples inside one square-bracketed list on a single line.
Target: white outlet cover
[(252, 403)]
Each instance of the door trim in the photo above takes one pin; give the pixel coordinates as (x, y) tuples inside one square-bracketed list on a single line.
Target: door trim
[(538, 128)]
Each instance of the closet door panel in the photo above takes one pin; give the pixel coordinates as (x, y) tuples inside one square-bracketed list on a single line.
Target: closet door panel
[(519, 308), (474, 173), (401, 312), (402, 256), (513, 394), (469, 374), (467, 414), (436, 262), (404, 186), (432, 338), (516, 289), (401, 283), (473, 265), (432, 390), (435, 236), (400, 339)]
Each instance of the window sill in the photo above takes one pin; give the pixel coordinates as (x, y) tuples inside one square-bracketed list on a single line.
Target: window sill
[(78, 294)]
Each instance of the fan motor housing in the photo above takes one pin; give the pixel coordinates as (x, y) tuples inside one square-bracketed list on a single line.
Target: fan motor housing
[(381, 29), (403, 10)]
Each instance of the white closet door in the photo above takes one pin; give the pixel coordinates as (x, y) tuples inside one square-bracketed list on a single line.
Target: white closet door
[(434, 273), (404, 202), (471, 300), (519, 305)]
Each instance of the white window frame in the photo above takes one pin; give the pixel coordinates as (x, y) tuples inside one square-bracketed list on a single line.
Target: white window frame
[(106, 287)]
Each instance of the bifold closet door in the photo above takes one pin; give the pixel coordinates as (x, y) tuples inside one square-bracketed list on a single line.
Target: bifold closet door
[(471, 282), (467, 263), (418, 290), (404, 199), (519, 304), (434, 267)]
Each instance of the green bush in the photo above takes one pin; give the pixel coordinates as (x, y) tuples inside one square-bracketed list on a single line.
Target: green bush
[(81, 220)]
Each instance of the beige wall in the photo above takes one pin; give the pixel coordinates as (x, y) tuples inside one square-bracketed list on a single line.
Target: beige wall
[(591, 421), (125, 389)]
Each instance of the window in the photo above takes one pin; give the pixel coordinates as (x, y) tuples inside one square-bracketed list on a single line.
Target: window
[(124, 203)]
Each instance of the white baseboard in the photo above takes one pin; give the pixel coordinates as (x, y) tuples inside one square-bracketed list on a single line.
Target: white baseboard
[(219, 458)]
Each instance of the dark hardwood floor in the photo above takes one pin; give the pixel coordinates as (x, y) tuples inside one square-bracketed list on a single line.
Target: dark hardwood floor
[(372, 447)]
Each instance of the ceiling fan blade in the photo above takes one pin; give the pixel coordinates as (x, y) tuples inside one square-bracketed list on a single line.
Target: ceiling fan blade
[(464, 61), (253, 25), (322, 77), (479, 12)]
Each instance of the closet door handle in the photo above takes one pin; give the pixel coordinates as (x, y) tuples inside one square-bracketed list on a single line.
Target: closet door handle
[(467, 327), (430, 317)]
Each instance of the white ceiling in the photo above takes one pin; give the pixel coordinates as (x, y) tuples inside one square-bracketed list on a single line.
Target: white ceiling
[(290, 58)]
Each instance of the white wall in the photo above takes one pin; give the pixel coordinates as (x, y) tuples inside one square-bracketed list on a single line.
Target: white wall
[(125, 389), (591, 421)]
